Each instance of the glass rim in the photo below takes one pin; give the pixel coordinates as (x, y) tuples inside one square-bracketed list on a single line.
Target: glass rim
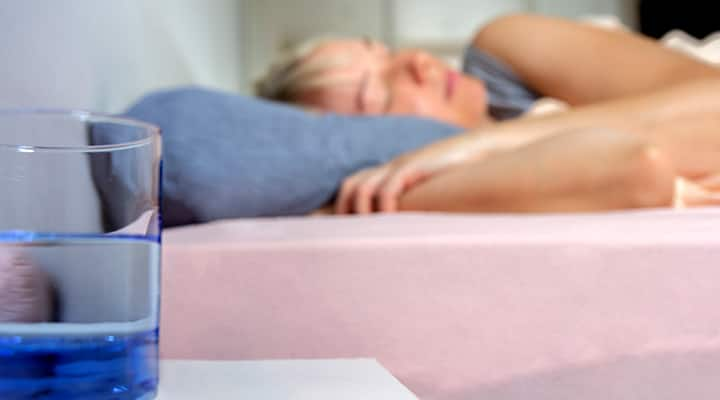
[(153, 131)]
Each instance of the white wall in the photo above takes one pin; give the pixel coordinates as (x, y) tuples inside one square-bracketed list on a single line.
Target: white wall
[(626, 10), (103, 54)]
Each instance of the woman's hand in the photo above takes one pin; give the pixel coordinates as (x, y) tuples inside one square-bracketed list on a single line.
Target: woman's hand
[(702, 192), (380, 188)]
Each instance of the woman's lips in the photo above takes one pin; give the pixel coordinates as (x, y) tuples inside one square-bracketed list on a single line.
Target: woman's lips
[(451, 81)]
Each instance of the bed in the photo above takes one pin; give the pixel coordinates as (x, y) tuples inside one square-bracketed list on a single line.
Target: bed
[(596, 306)]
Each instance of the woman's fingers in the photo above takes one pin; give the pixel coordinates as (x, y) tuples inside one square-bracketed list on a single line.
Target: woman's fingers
[(389, 193), (365, 192), (377, 189), (711, 182), (690, 194), (344, 199), (357, 192), (397, 183)]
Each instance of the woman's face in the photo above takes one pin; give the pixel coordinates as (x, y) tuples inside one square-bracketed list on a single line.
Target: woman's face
[(368, 79)]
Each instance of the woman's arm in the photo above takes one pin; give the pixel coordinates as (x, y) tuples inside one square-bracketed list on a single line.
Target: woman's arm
[(583, 64), (683, 121), (579, 171)]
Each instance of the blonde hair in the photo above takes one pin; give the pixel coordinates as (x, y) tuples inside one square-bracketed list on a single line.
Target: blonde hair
[(293, 73)]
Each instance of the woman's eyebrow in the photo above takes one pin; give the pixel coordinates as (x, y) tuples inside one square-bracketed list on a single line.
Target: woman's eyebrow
[(388, 102), (367, 42)]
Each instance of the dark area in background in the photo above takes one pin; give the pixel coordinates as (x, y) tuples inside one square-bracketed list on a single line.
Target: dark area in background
[(697, 18)]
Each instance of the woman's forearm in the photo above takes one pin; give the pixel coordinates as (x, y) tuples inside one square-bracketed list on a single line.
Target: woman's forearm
[(580, 171), (683, 121)]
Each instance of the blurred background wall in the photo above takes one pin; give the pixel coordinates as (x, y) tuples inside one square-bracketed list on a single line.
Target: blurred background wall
[(102, 54)]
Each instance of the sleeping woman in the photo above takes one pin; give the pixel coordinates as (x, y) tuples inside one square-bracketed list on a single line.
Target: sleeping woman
[(643, 129)]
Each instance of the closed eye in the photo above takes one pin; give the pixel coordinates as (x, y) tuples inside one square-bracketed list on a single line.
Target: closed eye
[(362, 93), (388, 101)]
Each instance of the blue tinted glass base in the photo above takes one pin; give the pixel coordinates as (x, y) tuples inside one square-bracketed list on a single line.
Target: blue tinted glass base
[(80, 368)]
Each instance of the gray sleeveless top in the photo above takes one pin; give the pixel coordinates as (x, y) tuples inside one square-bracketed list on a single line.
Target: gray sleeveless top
[(508, 96)]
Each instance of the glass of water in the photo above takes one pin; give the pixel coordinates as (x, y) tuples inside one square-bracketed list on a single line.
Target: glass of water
[(79, 256)]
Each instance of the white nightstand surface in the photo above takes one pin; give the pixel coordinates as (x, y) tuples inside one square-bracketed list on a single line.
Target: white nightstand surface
[(346, 379)]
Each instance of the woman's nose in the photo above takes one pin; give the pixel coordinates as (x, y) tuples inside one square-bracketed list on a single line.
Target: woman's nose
[(423, 67)]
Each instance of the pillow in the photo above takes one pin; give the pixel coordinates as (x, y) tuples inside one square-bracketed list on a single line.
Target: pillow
[(229, 156)]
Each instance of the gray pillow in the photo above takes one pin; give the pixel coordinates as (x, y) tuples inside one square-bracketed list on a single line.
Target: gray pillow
[(229, 156)]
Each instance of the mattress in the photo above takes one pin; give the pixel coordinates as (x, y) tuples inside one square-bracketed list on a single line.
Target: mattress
[(619, 305)]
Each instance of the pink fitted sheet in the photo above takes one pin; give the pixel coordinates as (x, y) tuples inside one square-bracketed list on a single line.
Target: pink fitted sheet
[(596, 306)]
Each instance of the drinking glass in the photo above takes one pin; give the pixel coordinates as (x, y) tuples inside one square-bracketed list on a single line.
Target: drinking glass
[(79, 256)]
